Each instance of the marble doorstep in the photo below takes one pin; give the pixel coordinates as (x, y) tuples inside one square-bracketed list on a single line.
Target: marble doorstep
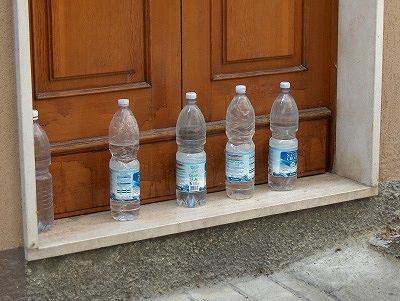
[(81, 233)]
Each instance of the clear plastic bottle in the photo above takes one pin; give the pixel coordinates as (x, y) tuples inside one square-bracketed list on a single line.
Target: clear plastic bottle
[(283, 145), (124, 166), (240, 149), (44, 183), (191, 186)]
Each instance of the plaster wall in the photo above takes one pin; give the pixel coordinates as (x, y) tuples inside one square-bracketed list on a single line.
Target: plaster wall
[(10, 196), (390, 120)]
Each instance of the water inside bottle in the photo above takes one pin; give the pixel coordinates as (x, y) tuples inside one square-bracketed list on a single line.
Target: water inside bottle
[(124, 166), (191, 188), (283, 145), (240, 149)]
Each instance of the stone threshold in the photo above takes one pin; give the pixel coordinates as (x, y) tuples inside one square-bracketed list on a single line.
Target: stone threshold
[(93, 231)]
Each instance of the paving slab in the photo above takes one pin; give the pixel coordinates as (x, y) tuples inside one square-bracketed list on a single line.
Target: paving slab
[(264, 289), (222, 292), (356, 272), (301, 288)]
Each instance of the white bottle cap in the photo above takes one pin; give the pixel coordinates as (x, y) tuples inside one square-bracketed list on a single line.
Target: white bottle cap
[(285, 85), (123, 102), (35, 114), (191, 95), (240, 89)]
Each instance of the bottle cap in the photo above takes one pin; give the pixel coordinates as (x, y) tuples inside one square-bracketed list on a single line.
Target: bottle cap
[(285, 85), (123, 102), (191, 95), (35, 114), (240, 89)]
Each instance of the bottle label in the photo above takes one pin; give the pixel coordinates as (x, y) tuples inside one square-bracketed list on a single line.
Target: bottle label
[(125, 185), (239, 166), (191, 176), (282, 162)]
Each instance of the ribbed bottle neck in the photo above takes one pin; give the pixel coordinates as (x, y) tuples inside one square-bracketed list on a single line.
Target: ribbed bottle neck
[(191, 102)]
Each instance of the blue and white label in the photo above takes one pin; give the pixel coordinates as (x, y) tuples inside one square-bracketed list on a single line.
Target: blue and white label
[(191, 176), (239, 166), (125, 185), (282, 162)]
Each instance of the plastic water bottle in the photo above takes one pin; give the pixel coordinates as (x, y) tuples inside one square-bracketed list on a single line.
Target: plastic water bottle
[(191, 186), (124, 166), (240, 149), (283, 145), (44, 183)]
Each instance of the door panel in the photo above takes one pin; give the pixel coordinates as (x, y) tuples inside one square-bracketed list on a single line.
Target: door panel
[(271, 20), (256, 36), (82, 183), (117, 65), (78, 44), (84, 46)]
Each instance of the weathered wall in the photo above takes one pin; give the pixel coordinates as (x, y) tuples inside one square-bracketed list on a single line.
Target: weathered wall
[(390, 127), (10, 197), (10, 205)]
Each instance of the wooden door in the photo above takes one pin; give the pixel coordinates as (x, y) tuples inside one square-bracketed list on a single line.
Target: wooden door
[(260, 43), (88, 53)]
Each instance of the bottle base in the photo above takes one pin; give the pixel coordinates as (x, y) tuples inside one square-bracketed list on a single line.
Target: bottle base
[(44, 227), (281, 183), (190, 200), (239, 191), (124, 211)]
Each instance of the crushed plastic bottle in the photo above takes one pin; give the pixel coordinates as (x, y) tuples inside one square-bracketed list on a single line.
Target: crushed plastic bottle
[(191, 188), (240, 149), (124, 166)]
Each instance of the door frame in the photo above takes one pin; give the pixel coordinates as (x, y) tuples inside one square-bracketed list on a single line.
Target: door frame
[(359, 83)]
